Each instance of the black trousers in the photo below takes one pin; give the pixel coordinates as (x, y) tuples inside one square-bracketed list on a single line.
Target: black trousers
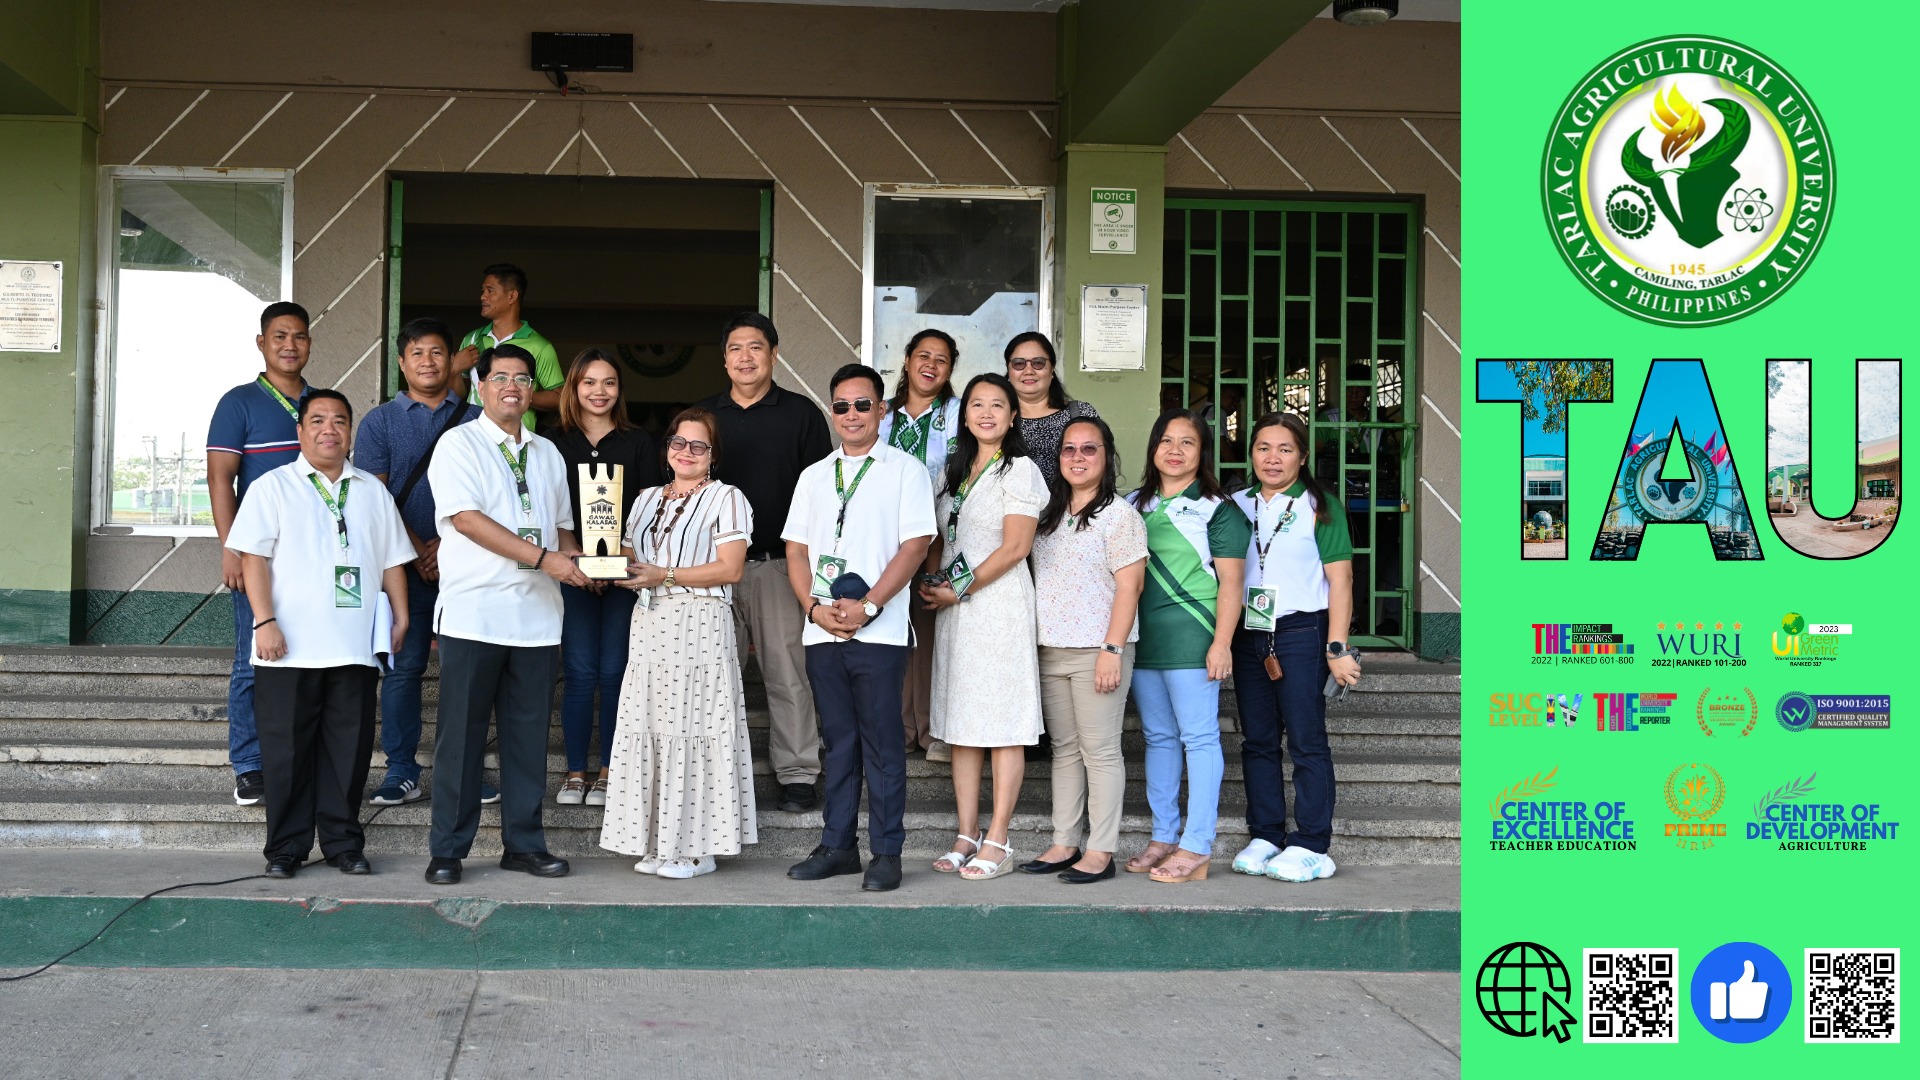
[(513, 686), (316, 736), (856, 690)]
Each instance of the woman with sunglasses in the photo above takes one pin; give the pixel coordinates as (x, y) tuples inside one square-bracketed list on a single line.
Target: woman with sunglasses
[(1196, 556), (922, 419), (1045, 409), (986, 676), (594, 430), (681, 790), (1299, 603), (1089, 563)]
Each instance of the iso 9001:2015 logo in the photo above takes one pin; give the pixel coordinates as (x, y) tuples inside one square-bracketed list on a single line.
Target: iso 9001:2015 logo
[(1688, 180)]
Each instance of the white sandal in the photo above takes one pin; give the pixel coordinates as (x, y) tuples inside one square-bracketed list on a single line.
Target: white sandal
[(990, 869), (952, 861)]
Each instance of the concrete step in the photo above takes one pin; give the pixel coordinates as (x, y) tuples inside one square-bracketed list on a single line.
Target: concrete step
[(1365, 780), (190, 820)]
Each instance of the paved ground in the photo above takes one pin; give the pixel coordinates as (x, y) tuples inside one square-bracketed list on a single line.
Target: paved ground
[(1549, 549), (211, 1024), (1809, 534)]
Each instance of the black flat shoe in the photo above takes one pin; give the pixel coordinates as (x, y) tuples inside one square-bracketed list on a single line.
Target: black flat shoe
[(883, 874), (443, 871), (1038, 867), (826, 862), (282, 866), (537, 863), (1082, 877), (350, 862)]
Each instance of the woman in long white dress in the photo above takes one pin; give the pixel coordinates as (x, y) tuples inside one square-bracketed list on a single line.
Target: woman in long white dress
[(680, 785), (986, 672)]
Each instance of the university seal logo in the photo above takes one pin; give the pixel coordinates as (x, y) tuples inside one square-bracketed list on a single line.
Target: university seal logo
[(1688, 181)]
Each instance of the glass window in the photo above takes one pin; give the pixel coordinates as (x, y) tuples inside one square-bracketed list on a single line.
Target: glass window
[(194, 257), (970, 261)]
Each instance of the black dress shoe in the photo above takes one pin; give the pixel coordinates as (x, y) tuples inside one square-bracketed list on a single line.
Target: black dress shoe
[(282, 866), (443, 871), (537, 863), (1082, 877), (350, 862), (1038, 867), (883, 874), (798, 798), (826, 862)]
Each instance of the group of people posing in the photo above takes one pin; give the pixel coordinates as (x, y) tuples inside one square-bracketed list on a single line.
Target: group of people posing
[(960, 575)]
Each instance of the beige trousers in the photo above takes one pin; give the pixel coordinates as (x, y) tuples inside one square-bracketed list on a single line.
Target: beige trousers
[(1089, 775), (766, 614), (916, 699)]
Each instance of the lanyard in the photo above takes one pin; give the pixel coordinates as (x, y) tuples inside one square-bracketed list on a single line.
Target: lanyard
[(279, 397), (337, 509), (519, 470), (845, 491), (960, 498), (1285, 519)]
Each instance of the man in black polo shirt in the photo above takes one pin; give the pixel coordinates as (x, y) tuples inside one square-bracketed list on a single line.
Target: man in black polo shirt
[(770, 435)]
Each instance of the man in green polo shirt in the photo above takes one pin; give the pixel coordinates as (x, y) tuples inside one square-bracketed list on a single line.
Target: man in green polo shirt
[(502, 288)]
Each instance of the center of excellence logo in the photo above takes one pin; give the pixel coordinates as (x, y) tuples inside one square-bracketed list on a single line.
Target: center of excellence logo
[(1688, 180), (1525, 819)]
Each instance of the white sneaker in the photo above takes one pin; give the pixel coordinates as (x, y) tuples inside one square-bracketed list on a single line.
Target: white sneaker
[(939, 751), (573, 791), (1254, 857), (688, 868), (648, 866), (1297, 864), (597, 794)]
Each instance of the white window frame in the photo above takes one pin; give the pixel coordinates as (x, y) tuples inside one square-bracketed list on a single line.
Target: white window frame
[(107, 258), (1043, 315)]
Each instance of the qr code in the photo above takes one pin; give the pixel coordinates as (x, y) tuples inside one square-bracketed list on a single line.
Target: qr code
[(1853, 995), (1630, 996)]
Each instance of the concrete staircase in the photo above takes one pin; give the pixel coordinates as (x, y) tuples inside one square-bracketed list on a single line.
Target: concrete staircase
[(126, 748)]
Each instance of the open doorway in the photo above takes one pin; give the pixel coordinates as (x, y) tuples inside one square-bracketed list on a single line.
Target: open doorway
[(646, 270)]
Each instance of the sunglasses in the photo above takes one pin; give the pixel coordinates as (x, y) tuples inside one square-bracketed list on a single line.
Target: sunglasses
[(1025, 363), (841, 408), (1068, 450), (699, 449)]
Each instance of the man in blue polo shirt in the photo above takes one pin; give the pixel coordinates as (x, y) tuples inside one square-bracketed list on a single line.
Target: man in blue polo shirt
[(395, 443), (254, 431)]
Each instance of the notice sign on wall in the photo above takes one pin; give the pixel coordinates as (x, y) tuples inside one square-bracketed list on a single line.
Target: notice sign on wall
[(1114, 230), (1113, 328), (29, 306)]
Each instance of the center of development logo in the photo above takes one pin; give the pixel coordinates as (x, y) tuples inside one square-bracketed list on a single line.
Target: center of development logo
[(1688, 180)]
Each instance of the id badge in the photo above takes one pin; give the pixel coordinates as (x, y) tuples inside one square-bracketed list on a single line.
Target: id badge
[(533, 535), (826, 569), (346, 586), (1257, 612), (959, 575)]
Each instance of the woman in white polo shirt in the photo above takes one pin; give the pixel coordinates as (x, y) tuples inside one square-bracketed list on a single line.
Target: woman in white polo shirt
[(1299, 604), (319, 542)]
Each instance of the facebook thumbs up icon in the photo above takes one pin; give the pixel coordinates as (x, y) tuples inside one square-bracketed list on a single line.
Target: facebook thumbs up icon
[(1740, 992), (1749, 998)]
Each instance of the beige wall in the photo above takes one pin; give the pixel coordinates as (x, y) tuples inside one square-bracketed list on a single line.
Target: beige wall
[(817, 101)]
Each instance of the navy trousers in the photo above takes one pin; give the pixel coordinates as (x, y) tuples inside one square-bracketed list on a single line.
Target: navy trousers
[(856, 691), (1296, 705)]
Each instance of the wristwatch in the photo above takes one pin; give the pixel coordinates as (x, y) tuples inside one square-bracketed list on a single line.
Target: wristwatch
[(669, 582), (872, 609), (1336, 649), (1110, 647)]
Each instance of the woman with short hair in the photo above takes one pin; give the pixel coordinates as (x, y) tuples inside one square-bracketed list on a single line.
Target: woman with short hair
[(681, 785)]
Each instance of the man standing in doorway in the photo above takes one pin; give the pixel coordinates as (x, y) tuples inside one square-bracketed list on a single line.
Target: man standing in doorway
[(771, 434), (255, 429), (503, 288), (396, 444), (506, 546), (860, 525)]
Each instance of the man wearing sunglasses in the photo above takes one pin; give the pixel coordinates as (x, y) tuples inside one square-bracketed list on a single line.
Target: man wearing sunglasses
[(771, 434), (506, 547)]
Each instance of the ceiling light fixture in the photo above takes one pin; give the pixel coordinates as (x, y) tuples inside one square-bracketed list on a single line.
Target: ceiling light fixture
[(1365, 12)]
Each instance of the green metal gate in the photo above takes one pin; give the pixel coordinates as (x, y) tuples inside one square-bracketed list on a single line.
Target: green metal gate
[(1307, 307)]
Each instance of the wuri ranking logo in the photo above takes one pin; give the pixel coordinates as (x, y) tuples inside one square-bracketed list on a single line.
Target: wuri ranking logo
[(1688, 180)]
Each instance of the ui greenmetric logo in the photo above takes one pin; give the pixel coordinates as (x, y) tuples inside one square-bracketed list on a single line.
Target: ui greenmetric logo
[(1688, 180)]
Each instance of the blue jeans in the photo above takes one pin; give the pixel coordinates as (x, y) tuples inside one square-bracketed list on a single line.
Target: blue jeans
[(593, 656), (1180, 717), (1297, 705), (243, 735), (400, 690)]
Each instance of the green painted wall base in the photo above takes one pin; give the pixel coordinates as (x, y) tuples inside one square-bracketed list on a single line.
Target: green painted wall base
[(158, 618), (36, 617), (1439, 635), (469, 933)]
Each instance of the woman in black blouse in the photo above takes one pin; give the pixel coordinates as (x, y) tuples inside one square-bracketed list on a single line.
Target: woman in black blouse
[(1045, 409), (594, 430)]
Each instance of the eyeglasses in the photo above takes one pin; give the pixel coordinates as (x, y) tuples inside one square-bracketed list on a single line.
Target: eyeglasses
[(503, 379), (699, 449), (1068, 450), (864, 404), (1029, 363)]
